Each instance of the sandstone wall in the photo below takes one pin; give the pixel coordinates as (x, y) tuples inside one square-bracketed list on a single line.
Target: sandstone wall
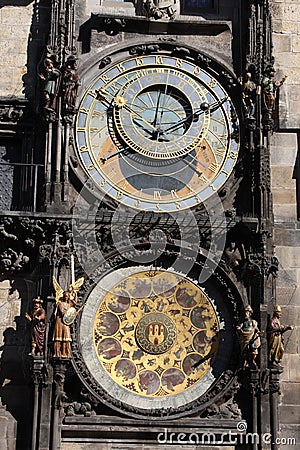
[(15, 23), (285, 172)]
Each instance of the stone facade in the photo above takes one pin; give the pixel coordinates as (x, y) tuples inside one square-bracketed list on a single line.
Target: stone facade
[(285, 189), (24, 36), (15, 24)]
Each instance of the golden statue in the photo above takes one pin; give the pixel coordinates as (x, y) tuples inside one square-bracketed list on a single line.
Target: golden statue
[(275, 337), (65, 315), (249, 337)]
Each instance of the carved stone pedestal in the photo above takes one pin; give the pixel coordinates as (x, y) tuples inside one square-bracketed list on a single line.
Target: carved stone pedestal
[(274, 392)]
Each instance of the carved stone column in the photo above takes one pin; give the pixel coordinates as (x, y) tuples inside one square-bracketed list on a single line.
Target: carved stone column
[(44, 428), (251, 381), (37, 375), (274, 392), (254, 384), (60, 367)]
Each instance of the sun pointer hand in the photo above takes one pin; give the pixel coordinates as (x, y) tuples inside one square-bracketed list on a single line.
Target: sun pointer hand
[(107, 157), (204, 107)]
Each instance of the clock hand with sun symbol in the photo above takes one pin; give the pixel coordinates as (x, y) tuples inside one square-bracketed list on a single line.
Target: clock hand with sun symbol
[(157, 137)]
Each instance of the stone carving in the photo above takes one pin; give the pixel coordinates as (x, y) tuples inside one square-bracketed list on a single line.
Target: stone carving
[(160, 9), (270, 87), (12, 261), (275, 337), (11, 112), (249, 337), (70, 84), (38, 327), (226, 407), (234, 257), (273, 266), (6, 222), (80, 409), (144, 49), (104, 62), (50, 77), (227, 410), (113, 26)]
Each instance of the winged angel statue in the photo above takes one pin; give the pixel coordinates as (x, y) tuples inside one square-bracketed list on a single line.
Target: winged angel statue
[(65, 314)]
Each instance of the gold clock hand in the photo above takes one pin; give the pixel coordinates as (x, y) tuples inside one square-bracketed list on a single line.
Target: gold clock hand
[(106, 158), (204, 107), (120, 102)]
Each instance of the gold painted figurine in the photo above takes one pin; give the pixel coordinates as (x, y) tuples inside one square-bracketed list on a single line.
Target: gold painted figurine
[(249, 337), (275, 337), (65, 314)]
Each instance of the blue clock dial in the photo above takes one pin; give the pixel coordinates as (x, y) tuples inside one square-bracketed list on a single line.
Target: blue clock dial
[(157, 133)]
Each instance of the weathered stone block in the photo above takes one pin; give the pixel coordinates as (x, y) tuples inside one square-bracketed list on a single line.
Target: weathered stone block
[(290, 414), (295, 43), (288, 60), (289, 237), (293, 367), (284, 196), (283, 177), (282, 42), (288, 256), (8, 430), (291, 11), (285, 212), (13, 16), (284, 148), (283, 26), (290, 393), (285, 10), (290, 436), (293, 111), (287, 278), (288, 296)]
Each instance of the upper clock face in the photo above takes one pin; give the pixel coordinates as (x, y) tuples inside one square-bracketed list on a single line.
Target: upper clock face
[(157, 133)]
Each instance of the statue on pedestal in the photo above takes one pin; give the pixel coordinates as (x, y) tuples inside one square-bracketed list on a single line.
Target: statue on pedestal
[(50, 77), (249, 337), (249, 95), (70, 84), (65, 314), (270, 88), (275, 337), (38, 328)]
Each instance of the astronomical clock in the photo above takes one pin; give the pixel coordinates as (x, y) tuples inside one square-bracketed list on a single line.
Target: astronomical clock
[(157, 131), (138, 164), (155, 342)]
